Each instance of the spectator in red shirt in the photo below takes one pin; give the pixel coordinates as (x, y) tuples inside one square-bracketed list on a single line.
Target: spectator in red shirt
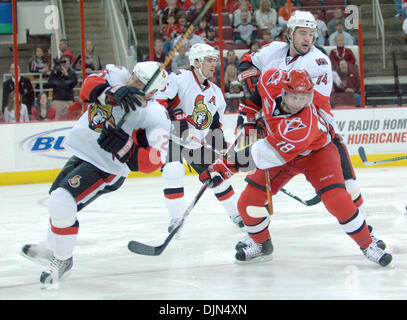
[(43, 110), (341, 52), (349, 80)]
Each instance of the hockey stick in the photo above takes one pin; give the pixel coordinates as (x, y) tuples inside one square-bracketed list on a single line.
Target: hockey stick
[(147, 250), (268, 190), (311, 202), (362, 155), (170, 55)]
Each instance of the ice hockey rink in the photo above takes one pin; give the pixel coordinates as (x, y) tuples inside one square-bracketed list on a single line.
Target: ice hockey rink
[(312, 259)]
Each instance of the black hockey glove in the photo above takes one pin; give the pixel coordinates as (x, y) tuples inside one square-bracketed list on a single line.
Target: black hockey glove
[(180, 122), (116, 141), (127, 96)]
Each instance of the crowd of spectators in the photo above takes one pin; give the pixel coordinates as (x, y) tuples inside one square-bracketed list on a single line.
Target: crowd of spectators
[(55, 98), (247, 25)]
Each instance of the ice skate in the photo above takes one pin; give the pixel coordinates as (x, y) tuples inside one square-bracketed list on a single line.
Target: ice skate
[(173, 224), (374, 253), (56, 271), (37, 253), (255, 252), (244, 242), (237, 220), (380, 243)]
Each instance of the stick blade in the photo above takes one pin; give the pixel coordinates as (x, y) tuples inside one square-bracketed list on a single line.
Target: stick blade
[(315, 200), (141, 248)]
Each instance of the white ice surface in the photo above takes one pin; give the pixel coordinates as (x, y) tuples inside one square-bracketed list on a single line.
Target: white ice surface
[(313, 258)]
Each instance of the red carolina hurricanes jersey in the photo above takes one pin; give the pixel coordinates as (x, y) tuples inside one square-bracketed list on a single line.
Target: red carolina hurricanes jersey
[(289, 135)]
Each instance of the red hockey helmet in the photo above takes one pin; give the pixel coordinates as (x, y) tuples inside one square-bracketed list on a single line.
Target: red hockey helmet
[(297, 90), (298, 81)]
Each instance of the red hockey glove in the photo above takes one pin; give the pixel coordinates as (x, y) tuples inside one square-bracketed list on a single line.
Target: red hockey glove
[(218, 172), (249, 118)]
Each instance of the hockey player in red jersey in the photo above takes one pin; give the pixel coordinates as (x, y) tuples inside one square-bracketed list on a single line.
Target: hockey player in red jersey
[(301, 54), (103, 155), (196, 106), (299, 140)]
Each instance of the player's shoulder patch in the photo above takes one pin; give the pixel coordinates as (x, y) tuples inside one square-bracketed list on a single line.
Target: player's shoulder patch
[(296, 128), (321, 61)]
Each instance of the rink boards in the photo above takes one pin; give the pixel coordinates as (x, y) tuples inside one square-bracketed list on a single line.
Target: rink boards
[(34, 152)]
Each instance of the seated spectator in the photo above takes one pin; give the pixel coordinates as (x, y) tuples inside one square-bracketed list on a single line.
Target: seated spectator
[(338, 17), (187, 5), (340, 29), (25, 89), (182, 21), (227, 5), (245, 32), (265, 16), (180, 60), (211, 38), (236, 4), (231, 59), (10, 109), (202, 29), (43, 109), (65, 50), (230, 75), (161, 5), (38, 63), (236, 15), (92, 61), (190, 40), (341, 52), (267, 38), (170, 31), (284, 14), (322, 29), (170, 9), (76, 109), (196, 10), (62, 81), (349, 81), (159, 54)]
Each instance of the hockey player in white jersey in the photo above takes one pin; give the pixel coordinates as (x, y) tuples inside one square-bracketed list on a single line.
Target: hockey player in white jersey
[(103, 155), (300, 54), (196, 106)]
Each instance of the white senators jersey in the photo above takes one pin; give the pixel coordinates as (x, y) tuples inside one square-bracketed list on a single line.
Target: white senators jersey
[(81, 141), (315, 62), (199, 103)]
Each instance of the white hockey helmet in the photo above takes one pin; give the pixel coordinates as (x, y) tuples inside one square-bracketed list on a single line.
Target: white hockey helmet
[(201, 50), (145, 70), (303, 19)]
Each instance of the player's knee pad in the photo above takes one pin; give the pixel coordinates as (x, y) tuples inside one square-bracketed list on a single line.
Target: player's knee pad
[(251, 204), (173, 173), (62, 208), (339, 203), (173, 177), (353, 188)]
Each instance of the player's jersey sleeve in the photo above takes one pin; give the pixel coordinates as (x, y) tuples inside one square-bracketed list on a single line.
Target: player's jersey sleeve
[(92, 87), (171, 90), (319, 68), (291, 137)]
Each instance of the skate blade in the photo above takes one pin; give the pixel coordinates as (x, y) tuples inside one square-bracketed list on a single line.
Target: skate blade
[(255, 260), (38, 256), (54, 285)]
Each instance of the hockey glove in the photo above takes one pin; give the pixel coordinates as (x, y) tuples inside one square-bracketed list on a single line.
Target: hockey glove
[(218, 172), (116, 141), (249, 118), (180, 123), (127, 96)]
